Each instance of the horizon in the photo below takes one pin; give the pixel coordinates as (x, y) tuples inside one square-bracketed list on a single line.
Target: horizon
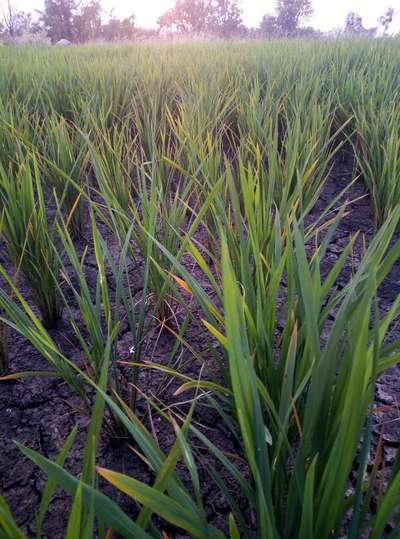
[(325, 17)]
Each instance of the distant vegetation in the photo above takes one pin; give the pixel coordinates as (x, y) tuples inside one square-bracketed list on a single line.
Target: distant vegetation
[(80, 22)]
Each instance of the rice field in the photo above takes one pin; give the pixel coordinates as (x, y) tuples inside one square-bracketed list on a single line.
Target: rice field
[(199, 295)]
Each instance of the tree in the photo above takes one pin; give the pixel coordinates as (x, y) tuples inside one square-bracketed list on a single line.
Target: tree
[(386, 20), (187, 16), (354, 26), (57, 19), (217, 17), (71, 19), (117, 30), (226, 18), (14, 23), (87, 22), (269, 26), (289, 15)]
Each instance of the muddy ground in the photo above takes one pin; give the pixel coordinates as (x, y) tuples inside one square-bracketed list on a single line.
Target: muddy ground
[(40, 412)]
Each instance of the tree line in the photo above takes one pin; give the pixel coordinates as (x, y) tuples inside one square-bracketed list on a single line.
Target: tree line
[(79, 21)]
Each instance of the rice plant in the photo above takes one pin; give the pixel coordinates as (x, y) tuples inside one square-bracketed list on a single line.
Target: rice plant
[(28, 236), (299, 486), (104, 308), (377, 152), (3, 347), (155, 193), (143, 195), (17, 314), (64, 167), (20, 127)]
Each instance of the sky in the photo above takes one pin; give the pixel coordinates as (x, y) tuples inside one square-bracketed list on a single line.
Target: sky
[(328, 14)]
